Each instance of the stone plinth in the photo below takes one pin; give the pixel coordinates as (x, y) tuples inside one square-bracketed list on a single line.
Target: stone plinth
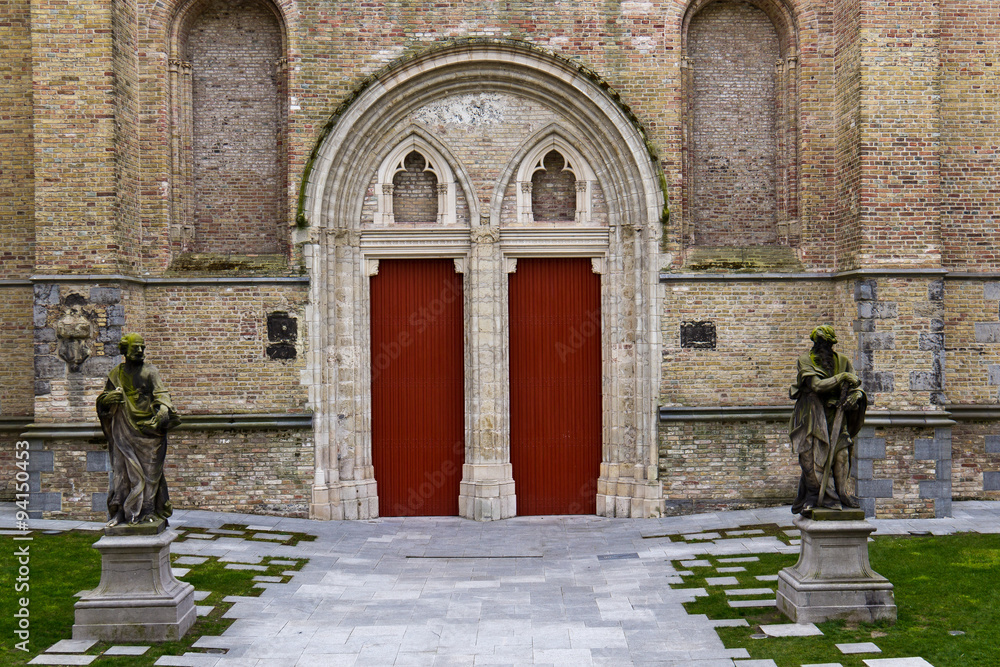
[(138, 599), (833, 578)]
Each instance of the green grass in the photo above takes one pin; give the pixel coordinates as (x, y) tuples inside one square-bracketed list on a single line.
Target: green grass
[(65, 564), (941, 584)]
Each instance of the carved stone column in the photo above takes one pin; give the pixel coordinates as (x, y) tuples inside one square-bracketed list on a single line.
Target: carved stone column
[(487, 488)]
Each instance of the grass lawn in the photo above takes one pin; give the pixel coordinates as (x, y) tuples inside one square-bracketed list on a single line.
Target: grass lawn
[(64, 564), (942, 584)]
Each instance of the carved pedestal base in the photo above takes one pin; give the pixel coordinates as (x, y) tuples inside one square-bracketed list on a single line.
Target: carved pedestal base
[(138, 599), (833, 578), (487, 492), (629, 492)]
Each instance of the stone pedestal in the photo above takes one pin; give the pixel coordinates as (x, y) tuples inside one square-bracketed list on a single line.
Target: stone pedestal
[(138, 599), (487, 492), (833, 578)]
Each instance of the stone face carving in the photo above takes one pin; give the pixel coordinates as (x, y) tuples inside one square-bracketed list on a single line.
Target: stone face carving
[(74, 332), (135, 413), (829, 411)]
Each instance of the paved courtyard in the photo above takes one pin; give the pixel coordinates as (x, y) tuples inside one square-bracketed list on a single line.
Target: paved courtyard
[(448, 591)]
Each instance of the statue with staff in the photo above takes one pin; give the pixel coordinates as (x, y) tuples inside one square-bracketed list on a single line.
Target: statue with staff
[(829, 411), (135, 413)]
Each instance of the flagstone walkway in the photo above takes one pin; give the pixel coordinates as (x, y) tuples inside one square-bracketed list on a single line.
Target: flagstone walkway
[(526, 591)]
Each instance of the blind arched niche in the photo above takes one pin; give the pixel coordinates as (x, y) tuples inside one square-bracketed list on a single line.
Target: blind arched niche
[(228, 92), (740, 85)]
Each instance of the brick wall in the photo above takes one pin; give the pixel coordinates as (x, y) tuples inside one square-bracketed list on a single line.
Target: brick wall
[(258, 472), (970, 162), (17, 167), (238, 128), (733, 48), (553, 191), (414, 194)]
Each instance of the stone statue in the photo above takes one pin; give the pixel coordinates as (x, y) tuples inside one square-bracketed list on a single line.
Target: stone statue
[(829, 412), (135, 413), (74, 332)]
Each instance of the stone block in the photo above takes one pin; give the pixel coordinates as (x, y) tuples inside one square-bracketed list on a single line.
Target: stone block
[(99, 501), (41, 315), (42, 461), (49, 367), (942, 508), (991, 291), (98, 461), (943, 470), (34, 482), (875, 488), (925, 381), (866, 290), (109, 334), (47, 294), (878, 310), (937, 324), (925, 449), (116, 316), (987, 332), (878, 340), (870, 448), (993, 374), (138, 598), (45, 502), (935, 489), (45, 335), (879, 381), (868, 506), (43, 387), (993, 444), (105, 295), (864, 469), (931, 341), (991, 480), (864, 325), (935, 290)]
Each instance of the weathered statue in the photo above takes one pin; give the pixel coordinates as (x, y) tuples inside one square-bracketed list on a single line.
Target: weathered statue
[(135, 413), (829, 412)]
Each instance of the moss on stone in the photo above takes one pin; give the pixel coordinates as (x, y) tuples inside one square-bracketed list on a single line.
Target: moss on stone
[(755, 259), (218, 264)]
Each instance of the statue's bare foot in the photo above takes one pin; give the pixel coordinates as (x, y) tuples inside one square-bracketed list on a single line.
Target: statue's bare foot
[(114, 522)]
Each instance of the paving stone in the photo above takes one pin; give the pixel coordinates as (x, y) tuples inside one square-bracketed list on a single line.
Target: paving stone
[(203, 610), (755, 663), (767, 577), (824, 664), (740, 559), (897, 662), (859, 647), (721, 581), (695, 563), (224, 531), (201, 595), (791, 630), (268, 578), (127, 650), (752, 603), (737, 533), (71, 646), (282, 562), (272, 536), (179, 571), (701, 536), (730, 570), (245, 566), (189, 560), (188, 660), (197, 536), (750, 591), (62, 659)]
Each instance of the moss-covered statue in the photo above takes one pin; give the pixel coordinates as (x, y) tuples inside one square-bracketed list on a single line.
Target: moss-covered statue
[(829, 410), (135, 413)]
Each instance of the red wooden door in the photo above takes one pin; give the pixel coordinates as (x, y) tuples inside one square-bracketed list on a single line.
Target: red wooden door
[(418, 388), (555, 385)]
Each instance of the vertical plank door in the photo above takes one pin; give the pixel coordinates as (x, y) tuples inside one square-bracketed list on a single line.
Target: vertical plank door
[(555, 385), (418, 388)]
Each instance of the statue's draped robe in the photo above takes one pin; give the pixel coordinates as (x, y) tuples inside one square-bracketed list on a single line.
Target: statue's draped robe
[(809, 429), (137, 453)]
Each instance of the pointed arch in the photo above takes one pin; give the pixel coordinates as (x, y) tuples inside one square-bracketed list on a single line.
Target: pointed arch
[(601, 138)]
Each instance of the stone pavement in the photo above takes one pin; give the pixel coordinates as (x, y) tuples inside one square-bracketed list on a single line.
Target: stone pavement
[(580, 590)]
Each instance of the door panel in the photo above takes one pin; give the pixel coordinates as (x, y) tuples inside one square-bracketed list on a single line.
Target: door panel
[(555, 385), (418, 390)]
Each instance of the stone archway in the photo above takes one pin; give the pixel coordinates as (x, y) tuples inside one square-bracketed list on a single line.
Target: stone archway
[(482, 102)]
